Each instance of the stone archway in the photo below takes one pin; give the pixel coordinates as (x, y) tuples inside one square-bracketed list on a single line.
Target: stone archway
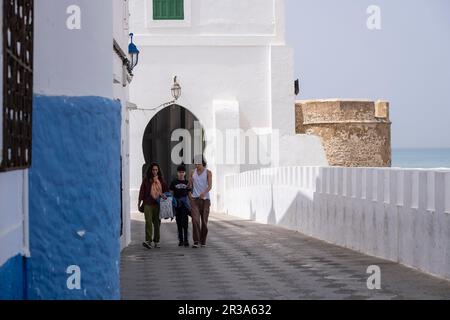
[(157, 144)]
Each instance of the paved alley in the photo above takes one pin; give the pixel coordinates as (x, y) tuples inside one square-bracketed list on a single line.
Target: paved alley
[(249, 261)]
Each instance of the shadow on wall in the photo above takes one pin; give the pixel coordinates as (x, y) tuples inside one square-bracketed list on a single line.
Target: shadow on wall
[(272, 217), (395, 214)]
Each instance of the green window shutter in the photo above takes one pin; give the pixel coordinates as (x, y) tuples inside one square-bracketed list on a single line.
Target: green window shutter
[(168, 9)]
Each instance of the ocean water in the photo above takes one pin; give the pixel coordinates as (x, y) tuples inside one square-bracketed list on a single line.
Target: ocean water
[(421, 158)]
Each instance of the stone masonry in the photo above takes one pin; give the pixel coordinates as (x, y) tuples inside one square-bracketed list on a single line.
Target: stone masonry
[(354, 133)]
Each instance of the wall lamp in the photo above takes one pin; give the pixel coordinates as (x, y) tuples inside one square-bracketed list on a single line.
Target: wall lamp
[(134, 53)]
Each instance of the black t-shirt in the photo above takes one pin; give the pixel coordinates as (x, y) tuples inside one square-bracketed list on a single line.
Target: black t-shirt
[(180, 188)]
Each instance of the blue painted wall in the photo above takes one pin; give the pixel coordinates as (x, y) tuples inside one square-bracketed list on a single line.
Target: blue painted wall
[(75, 197), (12, 279)]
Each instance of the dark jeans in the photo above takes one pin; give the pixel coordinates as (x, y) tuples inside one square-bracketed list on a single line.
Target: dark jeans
[(182, 223)]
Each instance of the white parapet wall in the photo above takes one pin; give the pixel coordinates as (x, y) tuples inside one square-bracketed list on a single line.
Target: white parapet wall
[(397, 214)]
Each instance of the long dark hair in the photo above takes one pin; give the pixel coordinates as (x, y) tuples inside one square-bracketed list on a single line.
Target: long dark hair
[(150, 172)]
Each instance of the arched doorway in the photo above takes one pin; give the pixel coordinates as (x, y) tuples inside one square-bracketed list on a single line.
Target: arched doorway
[(157, 142)]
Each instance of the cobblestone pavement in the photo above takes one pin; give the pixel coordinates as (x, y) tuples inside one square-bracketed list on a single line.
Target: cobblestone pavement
[(249, 261)]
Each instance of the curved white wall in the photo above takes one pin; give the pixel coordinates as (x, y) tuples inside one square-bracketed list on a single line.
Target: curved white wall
[(396, 214)]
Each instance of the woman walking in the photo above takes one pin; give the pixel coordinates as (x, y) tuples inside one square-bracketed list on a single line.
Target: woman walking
[(201, 185), (152, 189)]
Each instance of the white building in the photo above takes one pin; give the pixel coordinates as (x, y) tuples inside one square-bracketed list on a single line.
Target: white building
[(236, 72), (78, 60), (71, 207), (78, 94)]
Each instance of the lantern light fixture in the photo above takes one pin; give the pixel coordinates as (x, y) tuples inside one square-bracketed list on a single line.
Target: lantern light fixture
[(176, 89), (134, 53)]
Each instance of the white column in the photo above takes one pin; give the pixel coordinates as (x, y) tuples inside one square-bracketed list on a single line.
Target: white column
[(226, 117)]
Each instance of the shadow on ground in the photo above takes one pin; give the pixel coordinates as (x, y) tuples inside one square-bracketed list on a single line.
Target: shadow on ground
[(248, 261)]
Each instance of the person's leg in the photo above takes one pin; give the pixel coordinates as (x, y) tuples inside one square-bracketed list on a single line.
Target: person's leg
[(195, 221), (201, 208), (148, 224), (179, 219), (205, 218), (156, 224), (185, 225)]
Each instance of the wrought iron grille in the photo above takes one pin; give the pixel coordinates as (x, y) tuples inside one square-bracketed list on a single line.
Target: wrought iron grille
[(17, 83)]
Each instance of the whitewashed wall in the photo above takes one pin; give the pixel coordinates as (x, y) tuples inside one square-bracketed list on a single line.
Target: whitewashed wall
[(121, 22), (66, 63), (230, 52), (396, 214), (121, 36), (82, 62), (208, 22), (73, 62), (1, 82), (121, 92), (13, 214)]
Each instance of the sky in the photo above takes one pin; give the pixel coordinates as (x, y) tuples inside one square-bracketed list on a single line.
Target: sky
[(406, 62)]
